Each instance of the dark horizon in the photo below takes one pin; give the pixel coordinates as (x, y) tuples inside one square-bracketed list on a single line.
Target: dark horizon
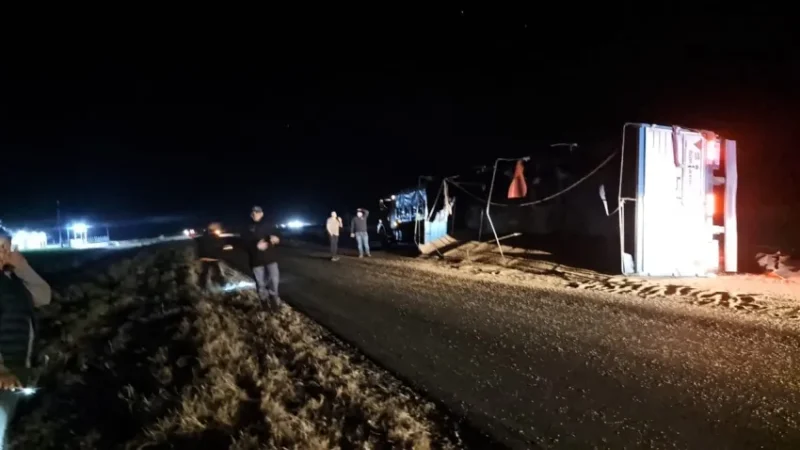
[(343, 117)]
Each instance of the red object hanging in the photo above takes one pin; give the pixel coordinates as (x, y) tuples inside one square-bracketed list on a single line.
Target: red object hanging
[(518, 188)]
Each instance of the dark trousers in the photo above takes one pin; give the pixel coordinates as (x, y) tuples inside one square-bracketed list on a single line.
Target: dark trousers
[(334, 244), (211, 271)]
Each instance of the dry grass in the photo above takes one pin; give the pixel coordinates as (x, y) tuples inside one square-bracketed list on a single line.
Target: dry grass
[(141, 358)]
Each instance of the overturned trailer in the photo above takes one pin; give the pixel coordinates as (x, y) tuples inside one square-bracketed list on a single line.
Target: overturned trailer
[(677, 202), (666, 208)]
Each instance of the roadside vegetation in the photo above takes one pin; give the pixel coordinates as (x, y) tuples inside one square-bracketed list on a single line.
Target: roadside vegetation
[(140, 357)]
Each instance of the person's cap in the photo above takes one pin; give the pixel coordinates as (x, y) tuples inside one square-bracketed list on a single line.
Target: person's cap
[(257, 209)]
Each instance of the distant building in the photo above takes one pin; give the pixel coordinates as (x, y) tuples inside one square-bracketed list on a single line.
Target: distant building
[(29, 240)]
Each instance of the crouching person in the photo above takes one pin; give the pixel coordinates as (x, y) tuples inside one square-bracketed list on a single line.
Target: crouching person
[(209, 250), (22, 290)]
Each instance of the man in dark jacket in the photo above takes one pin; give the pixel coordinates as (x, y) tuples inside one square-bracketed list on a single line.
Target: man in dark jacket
[(260, 247), (358, 230)]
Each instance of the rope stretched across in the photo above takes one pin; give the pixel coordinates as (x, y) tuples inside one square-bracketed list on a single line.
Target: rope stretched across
[(549, 197)]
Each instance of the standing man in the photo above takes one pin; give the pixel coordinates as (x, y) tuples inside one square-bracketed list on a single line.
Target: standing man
[(22, 291), (358, 230), (333, 226), (260, 245)]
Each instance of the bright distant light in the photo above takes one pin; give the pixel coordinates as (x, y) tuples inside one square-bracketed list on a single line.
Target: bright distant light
[(187, 232), (27, 391), (79, 227), (394, 197), (26, 240), (295, 224)]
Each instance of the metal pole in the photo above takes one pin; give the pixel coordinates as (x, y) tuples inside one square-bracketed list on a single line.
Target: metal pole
[(489, 216), (416, 206), (58, 222), (430, 213), (453, 213), (416, 211), (621, 219), (480, 228), (571, 145)]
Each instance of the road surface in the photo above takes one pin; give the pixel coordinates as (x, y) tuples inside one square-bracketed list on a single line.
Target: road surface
[(557, 368)]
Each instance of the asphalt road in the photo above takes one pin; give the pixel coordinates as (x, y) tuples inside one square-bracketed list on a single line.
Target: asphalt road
[(538, 367)]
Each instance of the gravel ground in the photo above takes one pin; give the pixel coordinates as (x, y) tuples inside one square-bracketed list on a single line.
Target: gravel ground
[(739, 293), (537, 364)]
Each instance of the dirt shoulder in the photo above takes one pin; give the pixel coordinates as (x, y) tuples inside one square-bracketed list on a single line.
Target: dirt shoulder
[(743, 295)]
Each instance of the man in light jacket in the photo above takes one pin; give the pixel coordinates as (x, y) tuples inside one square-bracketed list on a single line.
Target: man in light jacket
[(22, 291), (333, 225), (358, 230)]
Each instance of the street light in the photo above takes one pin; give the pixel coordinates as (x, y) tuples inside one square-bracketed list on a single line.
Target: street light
[(79, 227), (79, 232)]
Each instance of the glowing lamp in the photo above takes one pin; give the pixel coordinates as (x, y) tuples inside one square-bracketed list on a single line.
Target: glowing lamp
[(79, 227), (711, 207), (295, 224)]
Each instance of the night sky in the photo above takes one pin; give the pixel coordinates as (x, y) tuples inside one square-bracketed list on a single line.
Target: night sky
[(302, 114)]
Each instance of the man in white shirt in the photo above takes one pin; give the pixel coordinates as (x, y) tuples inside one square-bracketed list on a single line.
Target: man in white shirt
[(333, 225)]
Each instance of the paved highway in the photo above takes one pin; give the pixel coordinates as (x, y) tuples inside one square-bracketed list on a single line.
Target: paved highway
[(541, 366)]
